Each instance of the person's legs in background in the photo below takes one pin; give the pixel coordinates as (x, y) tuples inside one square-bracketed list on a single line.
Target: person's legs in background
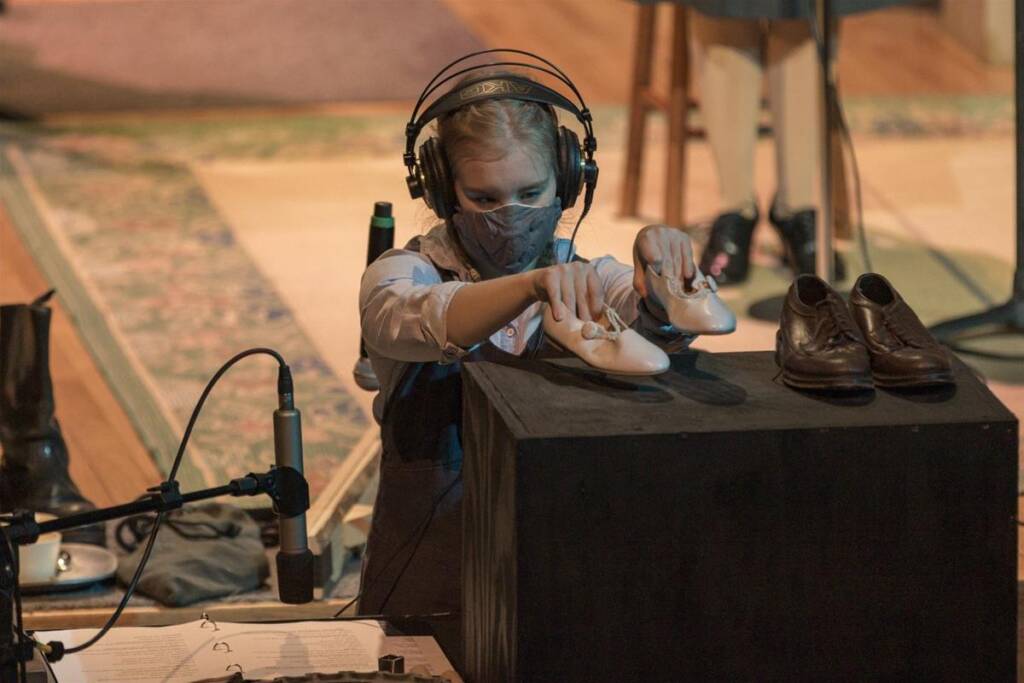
[(794, 84), (729, 61)]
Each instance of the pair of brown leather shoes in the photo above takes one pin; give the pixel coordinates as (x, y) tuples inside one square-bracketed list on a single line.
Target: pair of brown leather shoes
[(876, 339)]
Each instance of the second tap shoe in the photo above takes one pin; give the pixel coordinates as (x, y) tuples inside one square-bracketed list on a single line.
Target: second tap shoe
[(693, 309), (818, 345), (903, 352)]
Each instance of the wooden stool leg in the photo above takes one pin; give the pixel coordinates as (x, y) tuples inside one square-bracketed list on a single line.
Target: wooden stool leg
[(643, 54), (675, 176)]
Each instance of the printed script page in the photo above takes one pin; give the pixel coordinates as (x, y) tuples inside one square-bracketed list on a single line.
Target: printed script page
[(178, 654)]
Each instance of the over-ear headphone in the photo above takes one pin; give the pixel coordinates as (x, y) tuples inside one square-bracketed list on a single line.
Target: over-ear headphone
[(430, 175)]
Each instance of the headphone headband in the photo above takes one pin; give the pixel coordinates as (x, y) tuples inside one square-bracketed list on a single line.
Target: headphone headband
[(449, 102), (554, 71), (489, 88)]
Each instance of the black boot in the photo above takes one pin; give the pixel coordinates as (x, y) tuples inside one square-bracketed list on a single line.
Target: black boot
[(797, 234), (34, 468), (727, 254)]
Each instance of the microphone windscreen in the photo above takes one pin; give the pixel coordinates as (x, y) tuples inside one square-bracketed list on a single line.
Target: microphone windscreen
[(295, 577)]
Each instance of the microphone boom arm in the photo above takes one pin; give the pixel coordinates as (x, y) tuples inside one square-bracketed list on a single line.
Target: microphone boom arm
[(286, 486)]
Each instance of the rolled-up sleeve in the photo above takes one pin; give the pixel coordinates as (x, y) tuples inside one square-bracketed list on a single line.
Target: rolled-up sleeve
[(617, 279), (403, 309)]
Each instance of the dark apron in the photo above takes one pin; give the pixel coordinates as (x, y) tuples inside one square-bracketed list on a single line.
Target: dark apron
[(413, 559)]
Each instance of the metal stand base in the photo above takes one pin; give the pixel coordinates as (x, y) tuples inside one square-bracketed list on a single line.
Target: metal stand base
[(1007, 318)]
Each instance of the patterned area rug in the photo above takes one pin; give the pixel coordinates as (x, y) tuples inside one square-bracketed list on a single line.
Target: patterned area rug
[(163, 295)]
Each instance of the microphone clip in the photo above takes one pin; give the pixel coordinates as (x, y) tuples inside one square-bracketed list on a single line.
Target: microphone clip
[(167, 496), (285, 485)]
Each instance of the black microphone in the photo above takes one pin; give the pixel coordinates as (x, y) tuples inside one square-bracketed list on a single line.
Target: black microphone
[(294, 560)]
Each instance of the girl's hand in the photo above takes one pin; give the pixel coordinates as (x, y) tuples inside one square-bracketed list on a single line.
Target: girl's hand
[(570, 289), (667, 249)]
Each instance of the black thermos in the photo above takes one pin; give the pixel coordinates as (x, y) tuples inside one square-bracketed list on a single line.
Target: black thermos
[(382, 238), (382, 231)]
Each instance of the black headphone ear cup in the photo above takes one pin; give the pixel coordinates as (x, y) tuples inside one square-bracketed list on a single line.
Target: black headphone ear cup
[(570, 171), (438, 190)]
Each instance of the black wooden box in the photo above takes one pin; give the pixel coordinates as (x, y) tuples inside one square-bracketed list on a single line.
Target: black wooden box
[(712, 524)]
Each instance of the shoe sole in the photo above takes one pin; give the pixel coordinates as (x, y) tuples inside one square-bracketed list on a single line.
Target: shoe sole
[(848, 383), (935, 379)]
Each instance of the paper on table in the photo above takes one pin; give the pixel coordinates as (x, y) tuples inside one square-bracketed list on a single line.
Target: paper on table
[(128, 654), (293, 649), (207, 649)]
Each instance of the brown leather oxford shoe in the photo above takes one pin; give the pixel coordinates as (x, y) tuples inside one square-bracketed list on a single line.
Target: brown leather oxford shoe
[(818, 346), (903, 352)]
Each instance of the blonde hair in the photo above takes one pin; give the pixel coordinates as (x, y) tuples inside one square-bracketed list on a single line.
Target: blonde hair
[(487, 127)]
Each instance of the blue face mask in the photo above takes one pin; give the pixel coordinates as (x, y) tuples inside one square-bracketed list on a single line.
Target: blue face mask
[(508, 239)]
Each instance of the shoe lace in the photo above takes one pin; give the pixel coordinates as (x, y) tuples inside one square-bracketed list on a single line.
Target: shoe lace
[(837, 323), (905, 326), (677, 288), (595, 330)]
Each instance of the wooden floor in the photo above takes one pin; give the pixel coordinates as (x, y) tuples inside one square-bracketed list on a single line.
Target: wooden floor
[(897, 51), (108, 461)]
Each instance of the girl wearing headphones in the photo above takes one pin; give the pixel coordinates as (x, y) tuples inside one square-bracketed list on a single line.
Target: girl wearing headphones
[(474, 286)]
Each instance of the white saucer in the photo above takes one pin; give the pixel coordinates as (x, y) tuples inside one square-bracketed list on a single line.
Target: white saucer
[(89, 564)]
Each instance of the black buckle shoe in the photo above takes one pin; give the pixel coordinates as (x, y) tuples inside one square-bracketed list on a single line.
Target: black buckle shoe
[(727, 254), (798, 242)]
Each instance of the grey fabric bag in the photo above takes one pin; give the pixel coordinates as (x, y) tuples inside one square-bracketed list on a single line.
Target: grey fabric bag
[(201, 553)]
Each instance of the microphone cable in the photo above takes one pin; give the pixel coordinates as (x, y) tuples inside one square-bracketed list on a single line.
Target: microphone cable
[(417, 535), (172, 477)]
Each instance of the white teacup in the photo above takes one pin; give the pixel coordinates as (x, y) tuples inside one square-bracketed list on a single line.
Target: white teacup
[(37, 563)]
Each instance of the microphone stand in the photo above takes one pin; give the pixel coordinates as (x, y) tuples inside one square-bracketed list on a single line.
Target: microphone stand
[(824, 264), (285, 485), (1010, 315)]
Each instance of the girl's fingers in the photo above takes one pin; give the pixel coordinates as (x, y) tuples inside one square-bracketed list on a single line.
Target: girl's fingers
[(568, 287), (672, 264), (677, 258), (581, 292), (552, 286), (688, 269), (595, 293), (639, 283), (651, 253)]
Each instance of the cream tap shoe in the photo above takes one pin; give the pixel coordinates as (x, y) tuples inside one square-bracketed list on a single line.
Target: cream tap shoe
[(696, 310), (606, 344)]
